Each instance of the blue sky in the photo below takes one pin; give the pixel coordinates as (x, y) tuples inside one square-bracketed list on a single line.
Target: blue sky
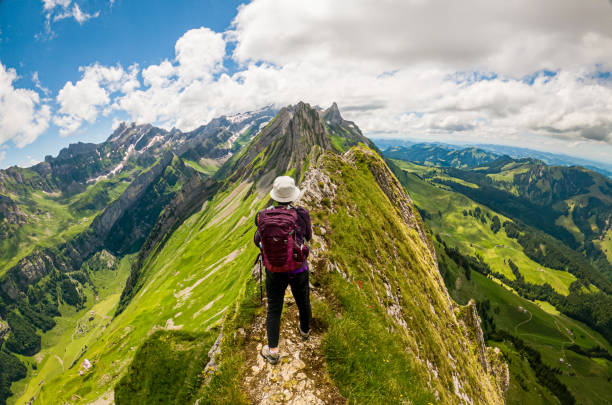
[(515, 73), (125, 33)]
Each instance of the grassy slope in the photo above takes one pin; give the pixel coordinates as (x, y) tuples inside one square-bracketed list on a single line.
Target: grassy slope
[(205, 166), (55, 219), (370, 357), (606, 245), (472, 237), (62, 345), (505, 181), (188, 284), (547, 331)]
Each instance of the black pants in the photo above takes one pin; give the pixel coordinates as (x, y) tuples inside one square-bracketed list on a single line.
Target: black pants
[(276, 284)]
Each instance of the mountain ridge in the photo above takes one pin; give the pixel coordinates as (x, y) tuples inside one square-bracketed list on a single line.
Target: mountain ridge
[(185, 290)]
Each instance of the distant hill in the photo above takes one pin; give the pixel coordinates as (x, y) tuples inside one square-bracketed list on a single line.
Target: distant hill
[(499, 150), (555, 159), (441, 155)]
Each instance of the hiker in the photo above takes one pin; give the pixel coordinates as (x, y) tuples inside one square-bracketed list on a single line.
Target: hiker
[(282, 231)]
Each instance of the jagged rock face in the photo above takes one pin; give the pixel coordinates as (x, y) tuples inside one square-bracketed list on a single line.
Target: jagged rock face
[(293, 139), (10, 213), (332, 115), (399, 266), (81, 163), (346, 130), (217, 139), (123, 225), (491, 359), (284, 143)]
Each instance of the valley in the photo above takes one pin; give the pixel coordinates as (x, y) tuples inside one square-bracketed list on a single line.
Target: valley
[(139, 284), (469, 225)]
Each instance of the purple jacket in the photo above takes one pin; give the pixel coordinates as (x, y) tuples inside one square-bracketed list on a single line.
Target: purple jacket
[(303, 232)]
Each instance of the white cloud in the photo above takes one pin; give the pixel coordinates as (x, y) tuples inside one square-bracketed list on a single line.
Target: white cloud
[(38, 85), (513, 37), (22, 115), (415, 68), (199, 53), (57, 10), (84, 100), (51, 4), (2, 155)]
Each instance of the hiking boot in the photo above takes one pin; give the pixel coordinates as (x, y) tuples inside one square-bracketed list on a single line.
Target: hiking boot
[(268, 355), (305, 335)]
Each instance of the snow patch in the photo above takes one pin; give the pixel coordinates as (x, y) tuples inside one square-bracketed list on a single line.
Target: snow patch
[(238, 118)]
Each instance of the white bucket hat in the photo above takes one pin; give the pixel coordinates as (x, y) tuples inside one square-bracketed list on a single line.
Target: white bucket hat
[(284, 189)]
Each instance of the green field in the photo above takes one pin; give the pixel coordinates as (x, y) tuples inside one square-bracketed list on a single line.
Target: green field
[(187, 285), (543, 328), (75, 330), (53, 219), (445, 209), (205, 166), (539, 324)]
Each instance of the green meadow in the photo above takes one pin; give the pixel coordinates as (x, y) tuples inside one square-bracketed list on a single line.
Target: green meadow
[(53, 218), (549, 332), (473, 237), (205, 166), (64, 346), (539, 324), (605, 245)]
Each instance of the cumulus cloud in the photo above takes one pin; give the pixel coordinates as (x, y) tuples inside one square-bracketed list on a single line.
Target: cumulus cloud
[(23, 117), (488, 70), (84, 100), (513, 37)]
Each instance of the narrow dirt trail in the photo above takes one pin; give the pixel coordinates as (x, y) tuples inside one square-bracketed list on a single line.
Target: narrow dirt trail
[(300, 378), (523, 322)]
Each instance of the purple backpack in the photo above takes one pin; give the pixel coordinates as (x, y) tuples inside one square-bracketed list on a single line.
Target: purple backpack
[(281, 252)]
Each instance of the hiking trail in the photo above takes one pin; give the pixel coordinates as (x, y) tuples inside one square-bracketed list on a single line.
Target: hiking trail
[(518, 325), (300, 377)]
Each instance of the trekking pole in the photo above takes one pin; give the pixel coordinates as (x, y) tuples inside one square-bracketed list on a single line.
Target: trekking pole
[(260, 280), (258, 259)]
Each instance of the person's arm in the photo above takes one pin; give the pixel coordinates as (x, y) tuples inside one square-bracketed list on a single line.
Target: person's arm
[(308, 228)]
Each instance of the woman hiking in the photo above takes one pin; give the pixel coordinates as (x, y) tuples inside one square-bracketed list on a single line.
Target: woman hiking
[(282, 231)]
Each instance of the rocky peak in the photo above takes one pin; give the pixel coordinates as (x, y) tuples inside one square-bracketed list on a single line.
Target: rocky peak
[(332, 115), (284, 143)]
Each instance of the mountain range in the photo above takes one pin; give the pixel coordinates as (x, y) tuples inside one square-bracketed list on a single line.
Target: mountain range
[(126, 274), (412, 149), (439, 274)]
